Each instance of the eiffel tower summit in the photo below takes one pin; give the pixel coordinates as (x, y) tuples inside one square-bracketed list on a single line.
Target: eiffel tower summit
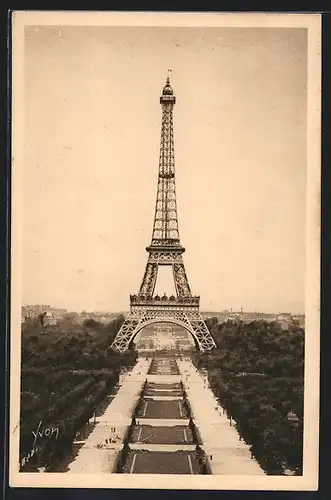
[(165, 249)]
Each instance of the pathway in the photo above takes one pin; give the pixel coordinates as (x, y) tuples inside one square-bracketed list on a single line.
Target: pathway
[(113, 425), (226, 452), (172, 424), (161, 441)]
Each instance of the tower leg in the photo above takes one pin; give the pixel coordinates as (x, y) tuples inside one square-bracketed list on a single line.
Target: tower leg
[(125, 334), (149, 280), (198, 326), (180, 278)]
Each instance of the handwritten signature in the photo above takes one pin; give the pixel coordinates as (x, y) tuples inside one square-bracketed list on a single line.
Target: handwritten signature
[(45, 431)]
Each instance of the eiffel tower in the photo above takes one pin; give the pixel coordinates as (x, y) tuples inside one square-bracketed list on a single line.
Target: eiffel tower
[(165, 250)]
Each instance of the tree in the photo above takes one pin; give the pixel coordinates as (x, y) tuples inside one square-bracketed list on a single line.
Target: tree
[(41, 318), (91, 323), (256, 372)]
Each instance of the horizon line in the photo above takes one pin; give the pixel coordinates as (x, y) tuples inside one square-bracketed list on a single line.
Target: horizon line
[(210, 311)]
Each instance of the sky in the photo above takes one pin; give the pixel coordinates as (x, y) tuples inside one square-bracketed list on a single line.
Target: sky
[(92, 137)]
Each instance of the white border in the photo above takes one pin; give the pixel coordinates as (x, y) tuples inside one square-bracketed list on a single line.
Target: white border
[(309, 479)]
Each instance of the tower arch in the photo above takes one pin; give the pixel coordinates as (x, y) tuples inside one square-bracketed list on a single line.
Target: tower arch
[(173, 321)]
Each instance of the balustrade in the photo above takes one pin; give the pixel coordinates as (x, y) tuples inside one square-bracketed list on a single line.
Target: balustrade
[(164, 300)]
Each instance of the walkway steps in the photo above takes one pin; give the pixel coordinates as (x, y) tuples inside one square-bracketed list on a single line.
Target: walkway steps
[(211, 445), (162, 407), (164, 379), (163, 398), (162, 422), (162, 447)]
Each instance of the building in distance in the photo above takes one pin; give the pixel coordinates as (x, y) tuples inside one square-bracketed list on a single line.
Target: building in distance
[(34, 311), (284, 319)]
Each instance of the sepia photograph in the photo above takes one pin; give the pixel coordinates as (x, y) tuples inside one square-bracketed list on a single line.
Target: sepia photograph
[(165, 255)]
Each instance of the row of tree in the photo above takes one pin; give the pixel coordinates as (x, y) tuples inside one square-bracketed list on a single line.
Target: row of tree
[(256, 372), (66, 374)]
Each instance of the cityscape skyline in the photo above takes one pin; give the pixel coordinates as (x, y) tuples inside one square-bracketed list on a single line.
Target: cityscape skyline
[(109, 311), (93, 166)]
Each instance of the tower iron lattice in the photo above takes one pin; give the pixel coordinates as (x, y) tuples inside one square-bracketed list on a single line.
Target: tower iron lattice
[(165, 250)]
